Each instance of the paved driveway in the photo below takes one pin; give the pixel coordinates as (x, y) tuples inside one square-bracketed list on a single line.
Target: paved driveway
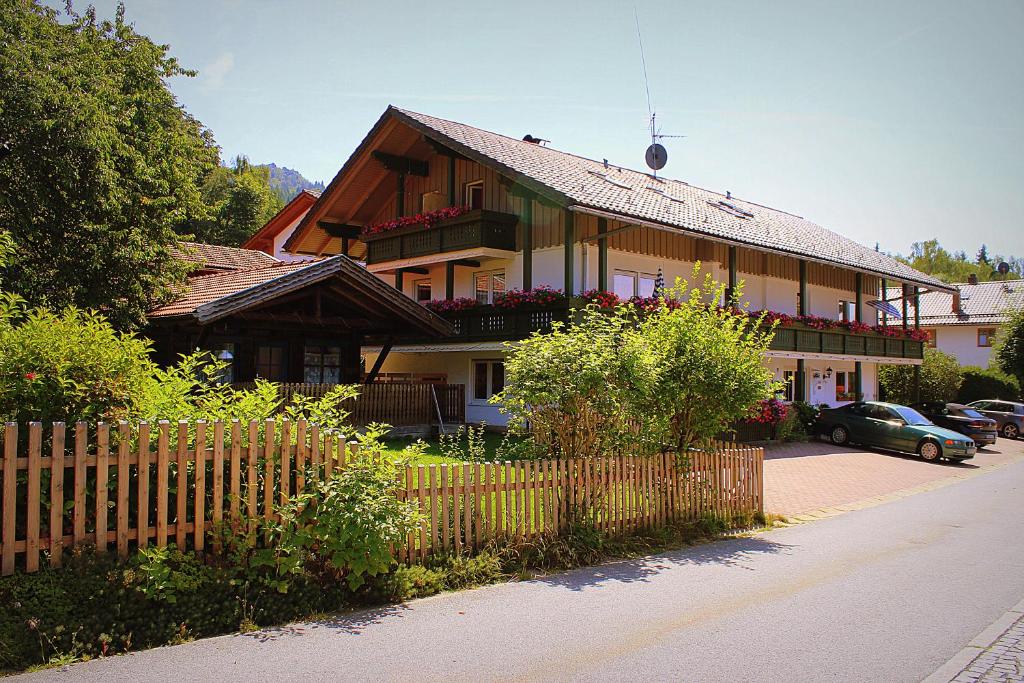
[(802, 477)]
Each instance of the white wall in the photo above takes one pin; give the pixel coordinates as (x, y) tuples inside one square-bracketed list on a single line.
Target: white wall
[(282, 237), (962, 342)]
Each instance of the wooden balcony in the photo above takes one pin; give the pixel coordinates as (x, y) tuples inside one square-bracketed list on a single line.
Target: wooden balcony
[(471, 230), (809, 340), (487, 323)]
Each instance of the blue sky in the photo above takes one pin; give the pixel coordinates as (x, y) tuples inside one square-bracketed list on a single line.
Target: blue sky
[(890, 122)]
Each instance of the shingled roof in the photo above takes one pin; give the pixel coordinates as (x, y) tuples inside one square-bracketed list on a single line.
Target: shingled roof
[(590, 186), (211, 297), (985, 303), (219, 257)]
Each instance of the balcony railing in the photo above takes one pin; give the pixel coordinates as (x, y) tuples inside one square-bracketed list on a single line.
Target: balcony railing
[(471, 230), (488, 323)]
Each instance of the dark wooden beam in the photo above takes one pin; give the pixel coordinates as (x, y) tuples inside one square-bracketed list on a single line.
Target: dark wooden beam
[(449, 280), (885, 297), (570, 250), (859, 300), (468, 262), (799, 391), (731, 290), (527, 242), (442, 149), (400, 195), (399, 164), (803, 292), (415, 270), (381, 357), (602, 256), (339, 229)]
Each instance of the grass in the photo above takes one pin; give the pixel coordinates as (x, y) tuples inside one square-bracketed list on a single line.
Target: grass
[(433, 455)]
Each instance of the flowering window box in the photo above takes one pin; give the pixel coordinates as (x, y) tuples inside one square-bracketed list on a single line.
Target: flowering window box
[(468, 229)]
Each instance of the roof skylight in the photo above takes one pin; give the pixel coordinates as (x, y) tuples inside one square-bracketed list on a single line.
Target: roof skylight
[(604, 177), (731, 208), (666, 195)]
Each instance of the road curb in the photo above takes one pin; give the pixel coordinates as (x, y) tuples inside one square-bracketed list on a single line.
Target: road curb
[(981, 642)]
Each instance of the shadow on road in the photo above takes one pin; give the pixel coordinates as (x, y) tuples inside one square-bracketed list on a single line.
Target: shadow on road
[(351, 622), (730, 553)]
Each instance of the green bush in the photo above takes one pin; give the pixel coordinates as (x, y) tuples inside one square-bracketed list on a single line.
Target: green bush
[(941, 377), (344, 528), (981, 384)]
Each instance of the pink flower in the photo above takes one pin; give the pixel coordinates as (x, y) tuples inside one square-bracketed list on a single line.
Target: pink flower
[(428, 220), (30, 375)]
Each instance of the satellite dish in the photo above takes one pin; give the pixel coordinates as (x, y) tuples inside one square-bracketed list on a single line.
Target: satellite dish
[(657, 157), (1003, 266)]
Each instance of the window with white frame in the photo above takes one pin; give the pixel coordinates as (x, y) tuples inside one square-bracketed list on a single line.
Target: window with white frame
[(630, 283), (488, 284), (488, 378), (473, 195), (321, 364), (422, 290), (986, 335)]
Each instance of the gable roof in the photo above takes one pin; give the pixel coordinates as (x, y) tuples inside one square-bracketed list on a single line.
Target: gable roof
[(589, 186), (210, 298), (293, 210), (985, 303), (219, 257)]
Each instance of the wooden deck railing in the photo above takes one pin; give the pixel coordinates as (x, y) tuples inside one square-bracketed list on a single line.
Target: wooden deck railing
[(121, 487)]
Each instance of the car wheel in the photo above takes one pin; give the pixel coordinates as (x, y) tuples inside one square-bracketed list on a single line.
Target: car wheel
[(1010, 431), (929, 450), (839, 435)]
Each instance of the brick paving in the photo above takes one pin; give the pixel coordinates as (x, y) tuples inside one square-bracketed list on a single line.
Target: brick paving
[(1001, 661), (805, 477)]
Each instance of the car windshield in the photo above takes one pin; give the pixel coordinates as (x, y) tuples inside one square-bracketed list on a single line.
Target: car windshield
[(970, 412), (911, 416)]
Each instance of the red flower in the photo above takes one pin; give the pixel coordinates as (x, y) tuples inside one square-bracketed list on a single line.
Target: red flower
[(427, 220), (451, 305), (543, 295), (30, 375)]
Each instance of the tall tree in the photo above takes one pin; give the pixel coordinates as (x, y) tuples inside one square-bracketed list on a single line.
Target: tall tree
[(98, 162), (239, 202), (930, 257), (1008, 354), (983, 255)]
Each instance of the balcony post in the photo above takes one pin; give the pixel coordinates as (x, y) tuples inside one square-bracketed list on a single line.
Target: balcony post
[(917, 326), (399, 280), (449, 280), (730, 291), (602, 256), (527, 227), (452, 194), (885, 298), (570, 249), (903, 291), (800, 394), (858, 372), (802, 308)]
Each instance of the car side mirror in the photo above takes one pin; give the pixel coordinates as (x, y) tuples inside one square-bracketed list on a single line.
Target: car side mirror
[(897, 422)]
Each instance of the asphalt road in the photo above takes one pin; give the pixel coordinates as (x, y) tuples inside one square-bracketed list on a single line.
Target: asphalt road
[(884, 594)]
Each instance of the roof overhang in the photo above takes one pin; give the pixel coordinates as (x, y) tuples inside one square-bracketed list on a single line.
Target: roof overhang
[(372, 292)]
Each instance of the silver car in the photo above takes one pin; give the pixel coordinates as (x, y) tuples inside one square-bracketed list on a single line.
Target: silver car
[(1009, 416)]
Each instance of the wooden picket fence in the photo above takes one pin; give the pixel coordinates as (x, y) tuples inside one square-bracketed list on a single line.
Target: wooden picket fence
[(122, 487)]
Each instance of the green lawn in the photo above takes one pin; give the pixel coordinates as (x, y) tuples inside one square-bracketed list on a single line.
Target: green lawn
[(433, 453)]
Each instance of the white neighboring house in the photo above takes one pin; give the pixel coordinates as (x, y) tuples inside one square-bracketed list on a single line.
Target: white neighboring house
[(964, 323)]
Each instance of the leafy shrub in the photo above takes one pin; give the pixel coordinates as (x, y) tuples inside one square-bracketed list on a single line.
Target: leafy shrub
[(941, 377), (344, 528), (70, 367), (807, 414), (791, 428), (1008, 354), (980, 384)]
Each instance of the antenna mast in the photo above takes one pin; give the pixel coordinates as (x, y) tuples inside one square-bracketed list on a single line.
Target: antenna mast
[(657, 155)]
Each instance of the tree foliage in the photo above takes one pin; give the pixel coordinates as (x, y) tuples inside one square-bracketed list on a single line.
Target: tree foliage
[(988, 383), (1008, 353), (238, 200), (666, 378), (98, 162), (931, 258), (941, 377)]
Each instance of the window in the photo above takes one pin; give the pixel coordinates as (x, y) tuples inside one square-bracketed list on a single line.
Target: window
[(844, 390), (985, 336), (270, 362), (474, 195), (789, 379), (488, 378), (847, 311), (225, 353), (322, 364), (628, 283), (422, 290), (488, 285)]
